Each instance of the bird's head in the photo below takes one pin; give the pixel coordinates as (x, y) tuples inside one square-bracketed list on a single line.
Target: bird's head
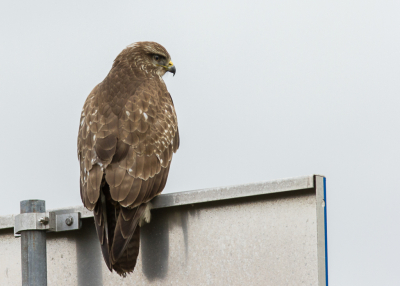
[(149, 57)]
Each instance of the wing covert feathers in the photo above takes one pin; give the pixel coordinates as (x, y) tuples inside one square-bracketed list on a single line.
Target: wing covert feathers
[(127, 135), (130, 147)]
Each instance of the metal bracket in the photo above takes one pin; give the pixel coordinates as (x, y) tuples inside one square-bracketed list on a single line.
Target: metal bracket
[(28, 221), (64, 222), (52, 222)]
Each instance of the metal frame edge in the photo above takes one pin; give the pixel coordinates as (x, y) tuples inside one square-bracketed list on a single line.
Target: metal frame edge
[(201, 196), (322, 240)]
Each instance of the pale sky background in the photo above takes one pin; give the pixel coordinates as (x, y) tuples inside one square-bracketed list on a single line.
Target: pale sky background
[(264, 90)]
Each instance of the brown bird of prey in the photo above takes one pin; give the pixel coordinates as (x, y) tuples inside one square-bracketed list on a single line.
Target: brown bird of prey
[(128, 132)]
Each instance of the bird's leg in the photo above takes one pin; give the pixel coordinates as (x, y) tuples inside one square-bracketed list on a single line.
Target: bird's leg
[(146, 216)]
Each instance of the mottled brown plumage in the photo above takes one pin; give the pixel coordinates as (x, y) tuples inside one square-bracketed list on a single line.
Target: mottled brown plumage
[(127, 135)]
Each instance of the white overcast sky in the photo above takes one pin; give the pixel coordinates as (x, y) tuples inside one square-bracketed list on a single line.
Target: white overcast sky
[(263, 90)]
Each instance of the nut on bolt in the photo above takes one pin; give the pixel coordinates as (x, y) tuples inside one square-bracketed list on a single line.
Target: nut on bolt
[(44, 220), (69, 221)]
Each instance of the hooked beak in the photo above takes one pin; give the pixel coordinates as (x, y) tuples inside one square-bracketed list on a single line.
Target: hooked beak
[(171, 68)]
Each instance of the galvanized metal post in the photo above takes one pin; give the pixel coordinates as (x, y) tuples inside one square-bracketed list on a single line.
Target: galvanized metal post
[(33, 248)]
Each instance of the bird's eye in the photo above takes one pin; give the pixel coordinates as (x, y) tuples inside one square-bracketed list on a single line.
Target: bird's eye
[(156, 57)]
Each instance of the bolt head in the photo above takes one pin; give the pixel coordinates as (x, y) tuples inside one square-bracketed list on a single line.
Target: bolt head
[(69, 221)]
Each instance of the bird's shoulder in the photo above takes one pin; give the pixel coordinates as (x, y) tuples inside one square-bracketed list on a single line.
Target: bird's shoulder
[(148, 121), (143, 118)]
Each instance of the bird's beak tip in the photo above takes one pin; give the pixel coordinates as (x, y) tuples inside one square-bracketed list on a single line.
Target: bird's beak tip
[(172, 70)]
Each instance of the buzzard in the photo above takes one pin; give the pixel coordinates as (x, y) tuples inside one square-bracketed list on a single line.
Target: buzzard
[(128, 132)]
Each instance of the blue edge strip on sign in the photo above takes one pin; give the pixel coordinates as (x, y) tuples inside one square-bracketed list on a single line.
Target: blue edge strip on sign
[(326, 236)]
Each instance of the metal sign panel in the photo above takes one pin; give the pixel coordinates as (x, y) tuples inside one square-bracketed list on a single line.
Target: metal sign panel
[(271, 233)]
